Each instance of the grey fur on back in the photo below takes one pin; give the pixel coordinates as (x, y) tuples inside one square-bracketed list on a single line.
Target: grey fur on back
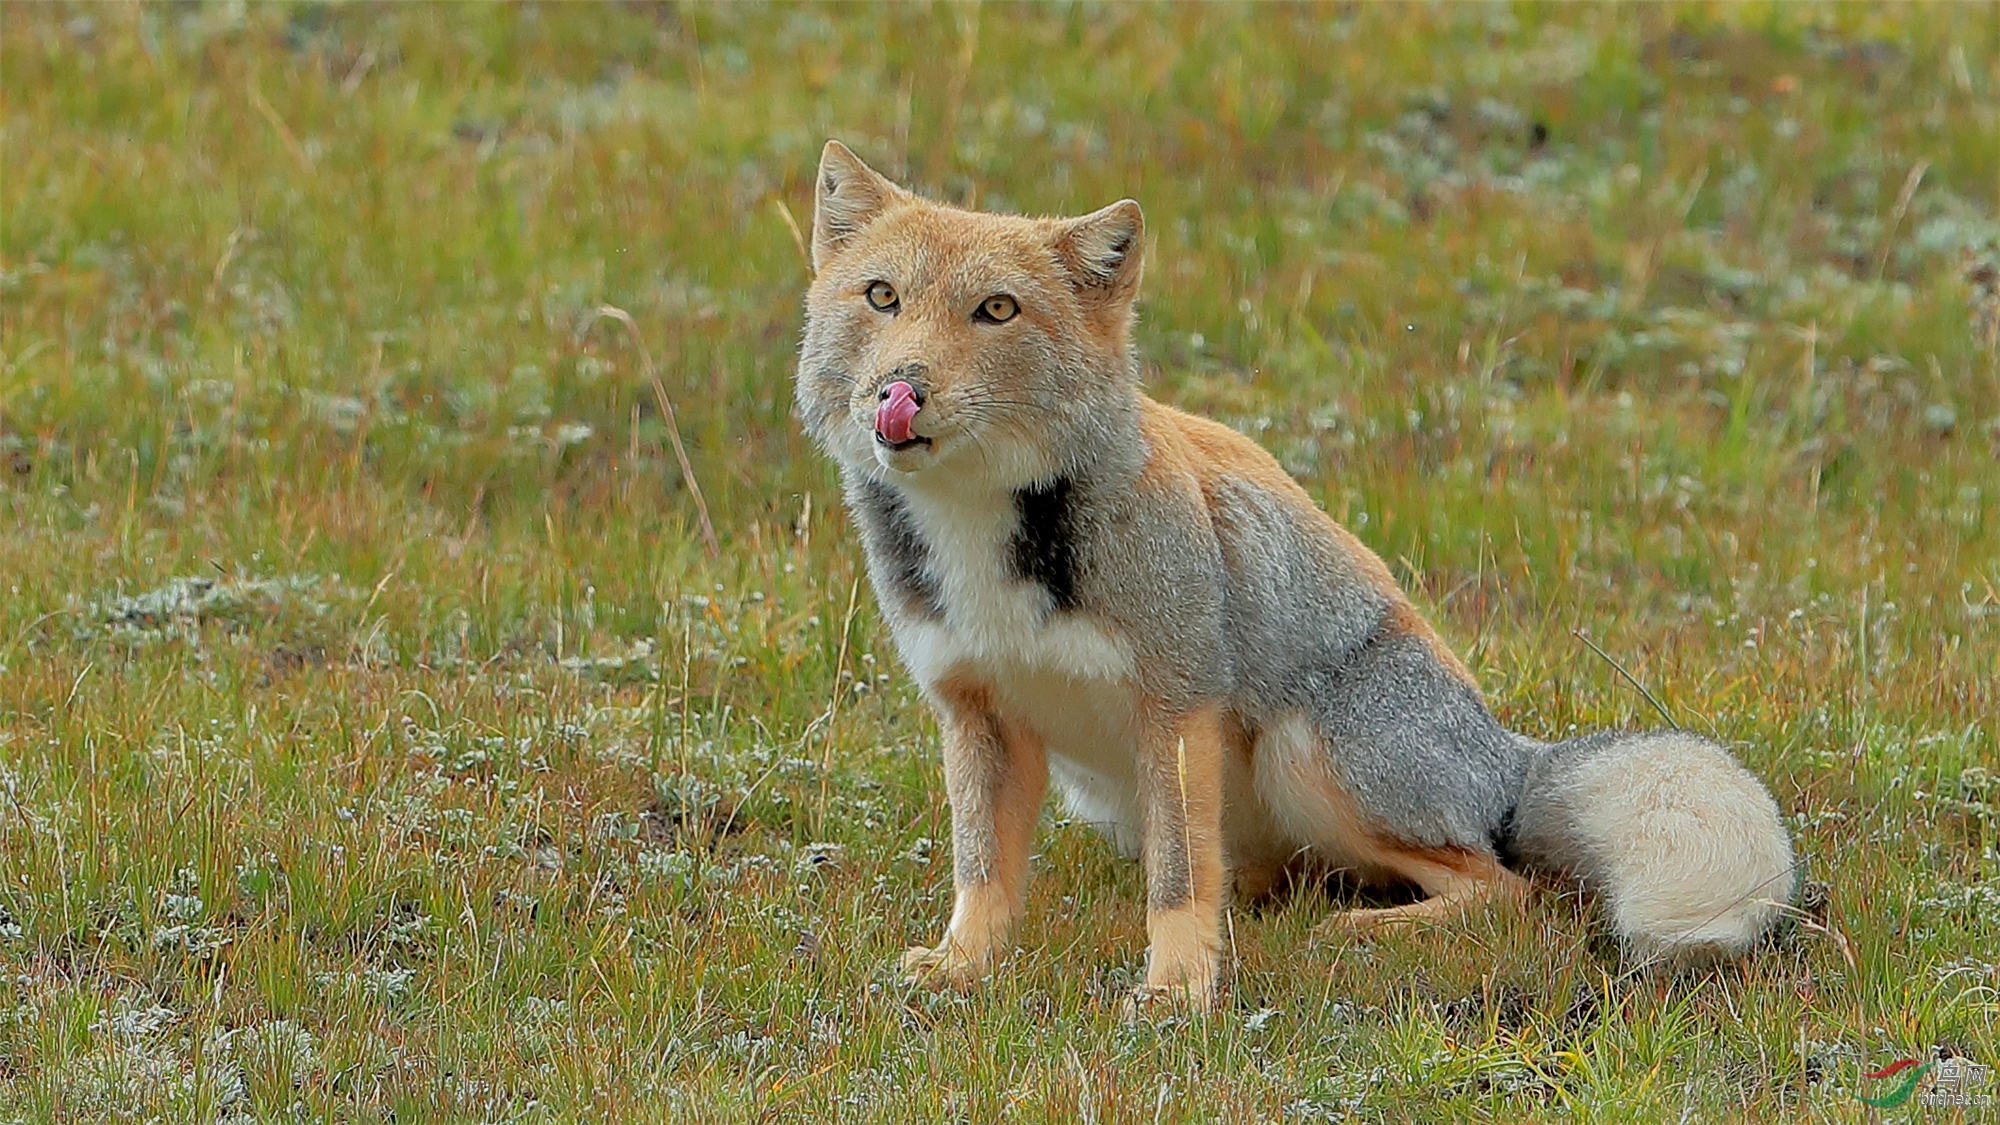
[(1308, 633)]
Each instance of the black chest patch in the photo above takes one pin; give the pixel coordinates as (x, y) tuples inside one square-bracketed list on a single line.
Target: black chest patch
[(1044, 543), (899, 550)]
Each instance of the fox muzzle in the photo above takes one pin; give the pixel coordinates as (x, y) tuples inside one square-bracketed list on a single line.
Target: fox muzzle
[(899, 403)]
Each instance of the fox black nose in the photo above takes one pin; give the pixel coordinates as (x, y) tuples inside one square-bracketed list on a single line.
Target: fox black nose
[(911, 373)]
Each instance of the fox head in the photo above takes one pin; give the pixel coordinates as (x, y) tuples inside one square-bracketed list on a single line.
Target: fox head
[(948, 343)]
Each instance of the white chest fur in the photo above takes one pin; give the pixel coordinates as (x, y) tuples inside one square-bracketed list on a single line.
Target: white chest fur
[(994, 621), (1066, 676)]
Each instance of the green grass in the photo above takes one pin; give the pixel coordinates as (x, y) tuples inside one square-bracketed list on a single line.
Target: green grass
[(379, 743)]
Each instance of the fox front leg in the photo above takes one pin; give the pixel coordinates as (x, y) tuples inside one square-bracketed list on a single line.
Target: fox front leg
[(1181, 791), (995, 772)]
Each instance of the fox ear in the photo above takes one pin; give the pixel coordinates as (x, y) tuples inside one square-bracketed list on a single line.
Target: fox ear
[(1102, 250), (847, 196)]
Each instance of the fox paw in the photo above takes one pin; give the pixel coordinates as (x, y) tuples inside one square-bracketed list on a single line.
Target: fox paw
[(1366, 924), (939, 967), (1150, 1002)]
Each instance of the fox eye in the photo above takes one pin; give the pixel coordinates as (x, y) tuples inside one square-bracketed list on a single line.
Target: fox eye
[(997, 309), (882, 297)]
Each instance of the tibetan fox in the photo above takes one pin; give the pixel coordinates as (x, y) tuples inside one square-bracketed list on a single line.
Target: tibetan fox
[(1141, 605)]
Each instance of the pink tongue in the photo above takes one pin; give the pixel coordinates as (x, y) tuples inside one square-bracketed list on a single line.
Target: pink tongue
[(892, 418)]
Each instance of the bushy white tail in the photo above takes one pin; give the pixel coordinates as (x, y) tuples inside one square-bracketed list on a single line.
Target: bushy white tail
[(1683, 846)]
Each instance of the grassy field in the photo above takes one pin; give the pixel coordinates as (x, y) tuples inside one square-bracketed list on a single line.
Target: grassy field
[(380, 742)]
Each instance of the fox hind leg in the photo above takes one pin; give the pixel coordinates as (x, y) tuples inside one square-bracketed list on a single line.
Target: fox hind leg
[(1296, 778), (1453, 881)]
